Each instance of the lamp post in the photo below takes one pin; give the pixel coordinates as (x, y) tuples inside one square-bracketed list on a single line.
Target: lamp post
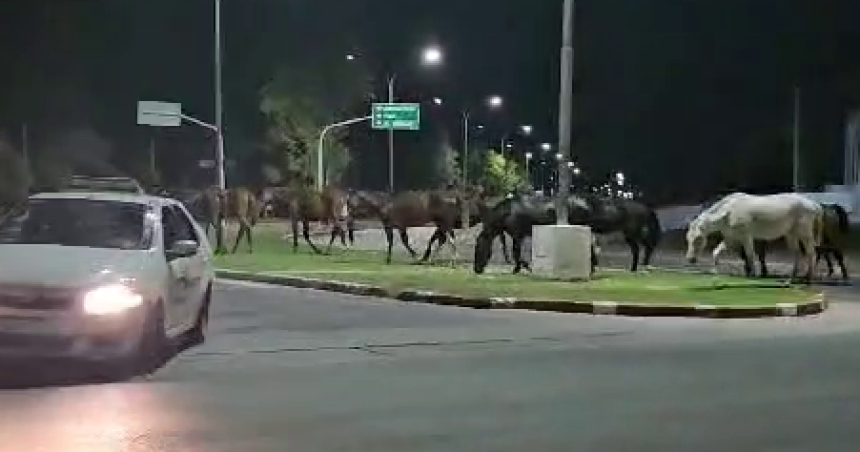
[(430, 56), (565, 116), (219, 115), (493, 102)]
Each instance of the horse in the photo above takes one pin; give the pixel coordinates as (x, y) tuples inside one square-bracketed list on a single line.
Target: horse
[(480, 210), (517, 215), (742, 218), (415, 209), (214, 205), (306, 204), (836, 228)]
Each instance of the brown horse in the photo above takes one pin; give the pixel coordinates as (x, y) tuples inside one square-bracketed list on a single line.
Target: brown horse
[(236, 203), (306, 204), (415, 209)]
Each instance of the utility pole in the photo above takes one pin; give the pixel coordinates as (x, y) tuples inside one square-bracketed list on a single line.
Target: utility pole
[(565, 116), (465, 211), (219, 116), (153, 174), (796, 141), (391, 80)]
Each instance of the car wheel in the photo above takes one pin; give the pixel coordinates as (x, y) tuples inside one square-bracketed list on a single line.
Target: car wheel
[(197, 335)]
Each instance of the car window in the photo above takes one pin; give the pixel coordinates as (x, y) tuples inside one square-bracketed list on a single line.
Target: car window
[(77, 222), (175, 227)]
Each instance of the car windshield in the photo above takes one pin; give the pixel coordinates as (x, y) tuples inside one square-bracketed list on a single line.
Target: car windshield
[(77, 222)]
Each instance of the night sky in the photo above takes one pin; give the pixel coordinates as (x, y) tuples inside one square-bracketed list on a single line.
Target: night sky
[(688, 97)]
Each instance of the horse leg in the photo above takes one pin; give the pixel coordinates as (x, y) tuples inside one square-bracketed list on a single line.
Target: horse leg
[(350, 228), (634, 251), (334, 233), (455, 256), (517, 248), (840, 259), (748, 252), (306, 232), (389, 237), (219, 236), (295, 225), (505, 247), (404, 238), (761, 252), (807, 245), (433, 238)]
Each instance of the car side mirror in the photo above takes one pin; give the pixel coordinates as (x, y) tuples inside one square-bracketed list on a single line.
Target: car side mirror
[(183, 248)]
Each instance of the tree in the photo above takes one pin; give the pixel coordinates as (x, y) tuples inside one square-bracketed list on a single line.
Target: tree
[(501, 175), (73, 151), (448, 169), (299, 102)]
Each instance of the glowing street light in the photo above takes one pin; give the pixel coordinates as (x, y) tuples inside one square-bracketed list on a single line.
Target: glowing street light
[(529, 155), (527, 129), (576, 171), (350, 57), (559, 155), (546, 147), (432, 56), (495, 101), (619, 178), (437, 100)]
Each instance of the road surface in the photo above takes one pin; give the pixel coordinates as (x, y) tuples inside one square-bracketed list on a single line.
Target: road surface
[(297, 370)]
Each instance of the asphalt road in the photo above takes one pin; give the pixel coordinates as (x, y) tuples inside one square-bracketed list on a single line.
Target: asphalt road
[(296, 370)]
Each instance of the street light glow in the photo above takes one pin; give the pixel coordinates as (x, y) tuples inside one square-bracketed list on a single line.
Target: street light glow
[(495, 101), (546, 146), (527, 129), (559, 155), (350, 57), (437, 100), (432, 56), (529, 155), (576, 171), (619, 177)]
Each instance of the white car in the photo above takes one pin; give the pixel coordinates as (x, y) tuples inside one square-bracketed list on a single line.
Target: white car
[(115, 279)]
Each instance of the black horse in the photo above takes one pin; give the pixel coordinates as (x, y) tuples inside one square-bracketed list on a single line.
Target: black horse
[(836, 229), (516, 216)]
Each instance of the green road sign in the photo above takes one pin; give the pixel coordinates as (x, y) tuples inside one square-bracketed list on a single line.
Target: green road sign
[(396, 116)]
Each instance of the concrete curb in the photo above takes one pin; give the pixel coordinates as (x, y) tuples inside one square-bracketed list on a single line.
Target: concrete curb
[(816, 305)]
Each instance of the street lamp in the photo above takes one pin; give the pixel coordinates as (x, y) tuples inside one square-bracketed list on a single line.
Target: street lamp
[(495, 101), (350, 57), (529, 156), (619, 178), (219, 105), (527, 129), (437, 100), (431, 56), (546, 147), (559, 156)]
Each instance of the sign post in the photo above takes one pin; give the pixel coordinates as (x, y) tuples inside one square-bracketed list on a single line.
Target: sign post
[(396, 116), (168, 114)]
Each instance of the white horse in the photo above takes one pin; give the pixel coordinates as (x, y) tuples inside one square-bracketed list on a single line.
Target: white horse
[(742, 218)]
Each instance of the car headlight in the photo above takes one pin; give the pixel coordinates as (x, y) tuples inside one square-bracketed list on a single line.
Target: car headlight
[(113, 299)]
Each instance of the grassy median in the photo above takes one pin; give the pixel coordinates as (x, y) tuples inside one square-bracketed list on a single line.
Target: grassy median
[(273, 255)]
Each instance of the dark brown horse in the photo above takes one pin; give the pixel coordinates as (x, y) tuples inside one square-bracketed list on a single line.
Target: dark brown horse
[(216, 206), (415, 209), (307, 204)]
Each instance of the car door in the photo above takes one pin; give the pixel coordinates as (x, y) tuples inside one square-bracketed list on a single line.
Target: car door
[(195, 266), (179, 291)]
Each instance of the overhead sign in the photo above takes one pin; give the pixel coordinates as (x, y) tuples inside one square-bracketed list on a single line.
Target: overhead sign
[(396, 116), (159, 114)]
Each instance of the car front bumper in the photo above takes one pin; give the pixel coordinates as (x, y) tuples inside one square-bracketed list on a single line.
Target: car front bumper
[(70, 336)]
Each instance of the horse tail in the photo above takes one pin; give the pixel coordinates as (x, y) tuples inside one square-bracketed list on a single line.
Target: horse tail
[(653, 228), (842, 216)]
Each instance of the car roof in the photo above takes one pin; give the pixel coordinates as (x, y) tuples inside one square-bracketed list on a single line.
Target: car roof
[(133, 198)]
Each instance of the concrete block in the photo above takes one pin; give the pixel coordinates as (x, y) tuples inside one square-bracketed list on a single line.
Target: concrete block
[(562, 251)]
